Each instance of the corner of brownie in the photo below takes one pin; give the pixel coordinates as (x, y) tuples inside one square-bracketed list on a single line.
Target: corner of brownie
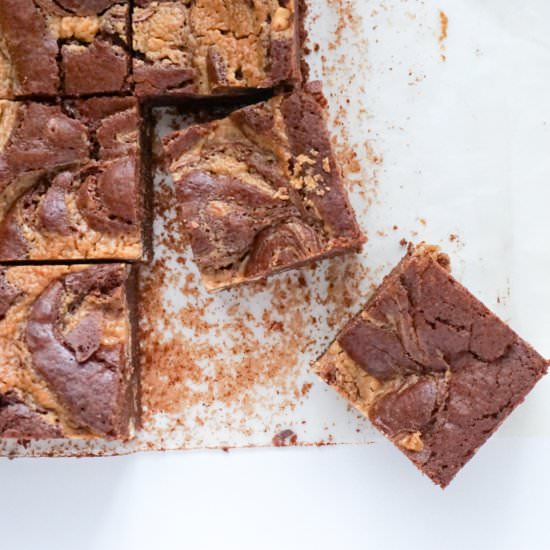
[(433, 369), (68, 367), (260, 190), (64, 47)]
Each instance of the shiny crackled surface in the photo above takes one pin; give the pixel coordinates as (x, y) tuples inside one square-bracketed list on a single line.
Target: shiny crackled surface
[(50, 47), (65, 352), (211, 46), (69, 180), (260, 191), (431, 367)]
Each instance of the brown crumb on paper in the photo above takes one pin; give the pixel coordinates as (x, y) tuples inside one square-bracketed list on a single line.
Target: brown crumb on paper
[(285, 438), (455, 239), (443, 25), (347, 17), (372, 156)]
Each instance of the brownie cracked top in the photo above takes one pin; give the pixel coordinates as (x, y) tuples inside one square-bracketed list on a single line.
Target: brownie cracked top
[(65, 352)]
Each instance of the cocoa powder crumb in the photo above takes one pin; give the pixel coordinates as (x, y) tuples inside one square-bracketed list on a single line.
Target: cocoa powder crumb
[(443, 24), (285, 438)]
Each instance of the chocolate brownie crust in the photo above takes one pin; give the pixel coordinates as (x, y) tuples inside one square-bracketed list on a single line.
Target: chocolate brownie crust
[(258, 195), (66, 354), (432, 367)]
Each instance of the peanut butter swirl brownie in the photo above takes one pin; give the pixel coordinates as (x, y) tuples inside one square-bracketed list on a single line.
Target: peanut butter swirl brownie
[(67, 352), (260, 191), (71, 184), (214, 46), (432, 367), (67, 47)]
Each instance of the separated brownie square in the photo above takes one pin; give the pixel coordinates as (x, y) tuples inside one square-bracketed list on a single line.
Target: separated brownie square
[(71, 184), (213, 46), (260, 191), (434, 370), (67, 47), (68, 364)]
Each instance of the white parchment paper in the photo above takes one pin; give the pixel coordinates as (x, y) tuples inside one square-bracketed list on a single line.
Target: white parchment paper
[(440, 113)]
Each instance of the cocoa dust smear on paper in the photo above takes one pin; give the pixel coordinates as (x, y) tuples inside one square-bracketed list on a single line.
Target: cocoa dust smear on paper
[(232, 368), (444, 25)]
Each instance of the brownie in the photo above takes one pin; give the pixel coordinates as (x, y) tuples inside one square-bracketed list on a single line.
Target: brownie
[(68, 365), (214, 47), (433, 369), (71, 185), (260, 191), (68, 47)]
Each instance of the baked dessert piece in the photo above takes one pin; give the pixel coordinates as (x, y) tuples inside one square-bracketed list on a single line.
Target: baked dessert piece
[(213, 46), (68, 362), (70, 181), (432, 367), (260, 191), (69, 47)]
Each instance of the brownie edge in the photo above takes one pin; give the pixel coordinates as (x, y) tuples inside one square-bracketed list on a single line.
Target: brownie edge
[(432, 368)]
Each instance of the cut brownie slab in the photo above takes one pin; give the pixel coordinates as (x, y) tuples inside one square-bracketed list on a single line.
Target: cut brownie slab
[(68, 366), (214, 46), (70, 181), (68, 47), (432, 367), (260, 191)]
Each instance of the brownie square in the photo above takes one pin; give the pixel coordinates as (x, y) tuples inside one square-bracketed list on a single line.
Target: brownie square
[(71, 184), (260, 191), (212, 46), (68, 365), (68, 47), (433, 369)]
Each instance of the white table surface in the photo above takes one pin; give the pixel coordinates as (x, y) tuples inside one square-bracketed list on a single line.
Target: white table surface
[(326, 498)]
